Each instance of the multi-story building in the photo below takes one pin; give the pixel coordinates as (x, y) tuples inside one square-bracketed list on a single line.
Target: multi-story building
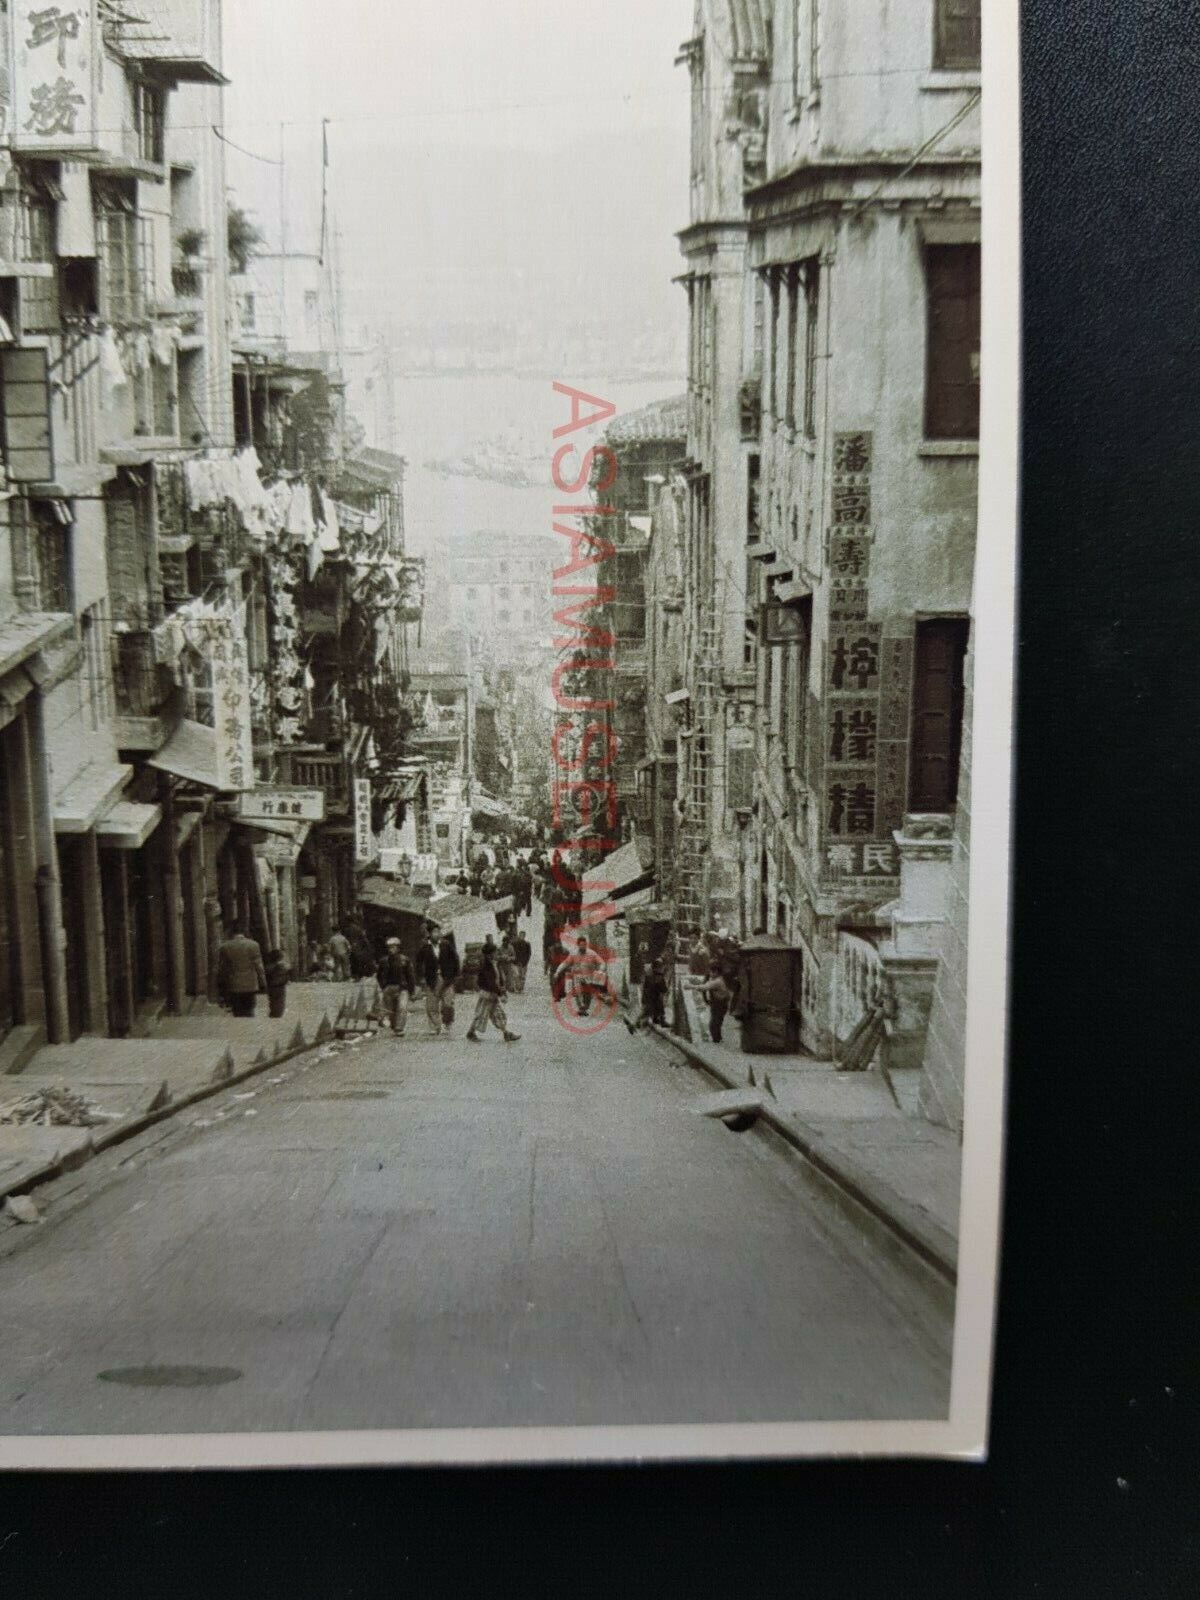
[(834, 288), (499, 592), (113, 368), (164, 524), (728, 61)]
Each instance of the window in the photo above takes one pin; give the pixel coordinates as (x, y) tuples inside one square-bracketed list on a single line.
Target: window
[(956, 35), (758, 317), (793, 317), (773, 396), (156, 399), (952, 342), (806, 20), (938, 696), (311, 311), (248, 313), (97, 671), (812, 295), (40, 306), (123, 242), (51, 529), (149, 118)]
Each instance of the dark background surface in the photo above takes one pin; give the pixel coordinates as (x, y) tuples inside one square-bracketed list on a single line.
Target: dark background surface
[(1090, 1489)]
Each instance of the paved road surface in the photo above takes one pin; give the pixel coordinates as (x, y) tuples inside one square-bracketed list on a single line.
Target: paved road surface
[(426, 1233)]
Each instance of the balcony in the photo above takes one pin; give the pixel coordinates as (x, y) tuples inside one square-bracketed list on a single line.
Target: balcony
[(318, 769), (179, 43), (148, 697)]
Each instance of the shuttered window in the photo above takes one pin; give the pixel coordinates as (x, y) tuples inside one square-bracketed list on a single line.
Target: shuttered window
[(956, 35), (127, 546), (938, 696), (952, 342)]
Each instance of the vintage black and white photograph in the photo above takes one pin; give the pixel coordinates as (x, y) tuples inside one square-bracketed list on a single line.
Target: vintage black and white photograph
[(507, 538)]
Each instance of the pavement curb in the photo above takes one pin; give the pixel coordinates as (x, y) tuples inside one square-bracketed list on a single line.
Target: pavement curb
[(129, 1127), (937, 1248)]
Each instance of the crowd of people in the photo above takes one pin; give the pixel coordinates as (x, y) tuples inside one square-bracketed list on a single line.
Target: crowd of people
[(577, 971)]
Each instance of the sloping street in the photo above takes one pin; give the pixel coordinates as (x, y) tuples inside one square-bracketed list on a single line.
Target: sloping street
[(422, 1232)]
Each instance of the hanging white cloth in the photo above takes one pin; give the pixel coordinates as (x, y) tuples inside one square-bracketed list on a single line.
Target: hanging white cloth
[(112, 369)]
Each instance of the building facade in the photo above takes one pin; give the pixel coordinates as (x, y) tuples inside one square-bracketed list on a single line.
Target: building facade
[(833, 281), (185, 525)]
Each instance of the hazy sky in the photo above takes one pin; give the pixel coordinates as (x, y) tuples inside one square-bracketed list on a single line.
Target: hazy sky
[(536, 147)]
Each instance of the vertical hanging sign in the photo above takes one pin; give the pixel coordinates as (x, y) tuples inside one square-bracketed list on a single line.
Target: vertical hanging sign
[(364, 839), (223, 640), (55, 54), (857, 843)]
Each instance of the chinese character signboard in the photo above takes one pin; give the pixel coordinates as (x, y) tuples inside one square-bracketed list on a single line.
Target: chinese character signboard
[(283, 804), (55, 53), (222, 639), (364, 839), (862, 759)]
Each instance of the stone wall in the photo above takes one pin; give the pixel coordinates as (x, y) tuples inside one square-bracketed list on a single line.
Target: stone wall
[(941, 1094)]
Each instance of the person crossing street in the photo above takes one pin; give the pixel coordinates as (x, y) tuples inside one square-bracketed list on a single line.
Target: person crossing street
[(490, 1005)]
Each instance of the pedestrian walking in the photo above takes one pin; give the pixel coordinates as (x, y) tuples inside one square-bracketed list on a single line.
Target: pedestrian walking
[(277, 972), (506, 958), (490, 1005), (429, 972), (398, 984), (522, 955), (241, 977), (718, 994), (449, 971), (699, 957), (339, 949), (585, 974)]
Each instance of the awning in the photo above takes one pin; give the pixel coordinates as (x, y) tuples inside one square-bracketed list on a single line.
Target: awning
[(622, 867), (191, 753), (89, 795), (277, 842), (404, 786), (128, 825), (488, 807)]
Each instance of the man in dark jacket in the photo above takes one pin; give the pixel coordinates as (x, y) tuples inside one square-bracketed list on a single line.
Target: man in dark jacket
[(449, 968), (491, 997), (240, 974), (429, 972), (398, 983), (522, 955)]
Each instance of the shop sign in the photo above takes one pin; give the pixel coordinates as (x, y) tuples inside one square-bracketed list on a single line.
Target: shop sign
[(364, 839), (863, 862), (231, 704), (55, 56), (282, 803)]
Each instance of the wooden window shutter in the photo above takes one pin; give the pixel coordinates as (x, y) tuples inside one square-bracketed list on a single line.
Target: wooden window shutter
[(126, 560), (952, 342), (28, 449), (938, 697)]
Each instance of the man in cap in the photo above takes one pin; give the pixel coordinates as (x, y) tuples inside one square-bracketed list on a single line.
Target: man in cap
[(398, 983)]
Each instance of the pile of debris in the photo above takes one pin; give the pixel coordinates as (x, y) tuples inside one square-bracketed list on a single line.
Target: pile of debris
[(51, 1108)]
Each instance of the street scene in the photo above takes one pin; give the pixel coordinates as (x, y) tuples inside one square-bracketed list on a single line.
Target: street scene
[(486, 656)]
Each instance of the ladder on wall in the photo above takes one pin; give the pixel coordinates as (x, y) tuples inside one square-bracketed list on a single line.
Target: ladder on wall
[(694, 833)]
